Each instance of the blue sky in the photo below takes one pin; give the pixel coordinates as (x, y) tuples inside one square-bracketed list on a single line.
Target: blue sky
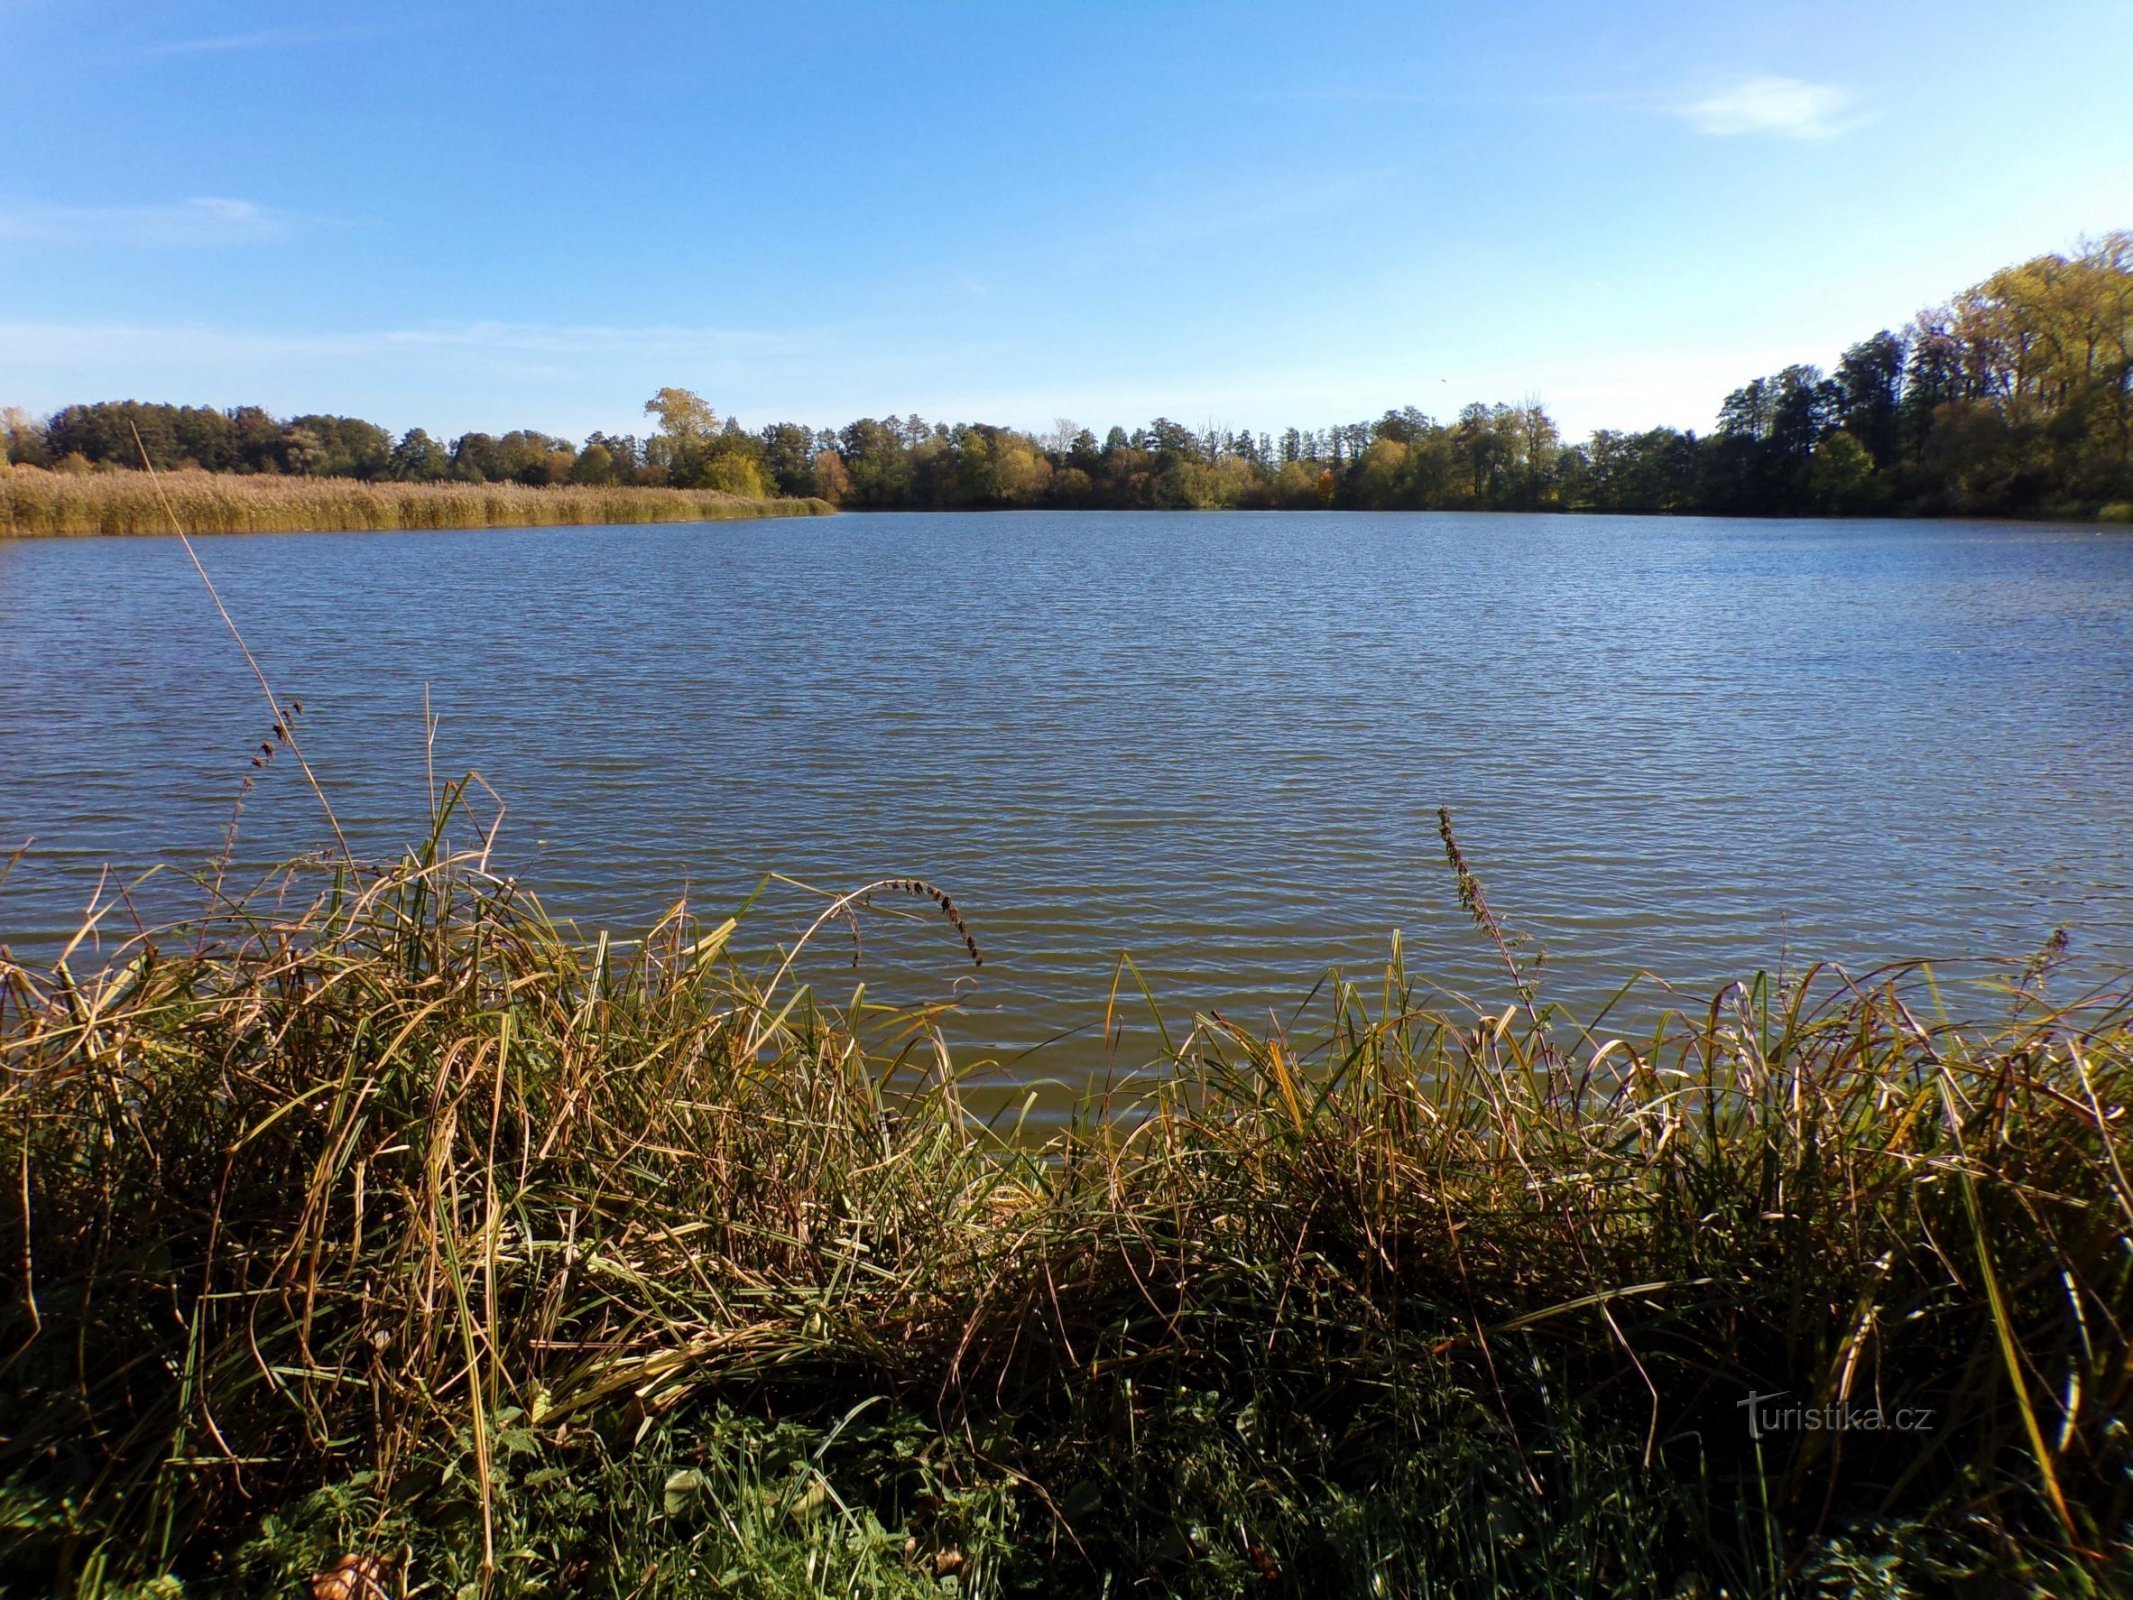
[(487, 216)]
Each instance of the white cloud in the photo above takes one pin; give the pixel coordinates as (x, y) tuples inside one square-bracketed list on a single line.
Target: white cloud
[(1788, 107), (205, 220)]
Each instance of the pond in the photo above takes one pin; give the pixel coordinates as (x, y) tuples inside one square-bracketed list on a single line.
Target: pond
[(1215, 741)]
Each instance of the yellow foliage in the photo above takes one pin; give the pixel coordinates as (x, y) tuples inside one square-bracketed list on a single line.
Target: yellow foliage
[(832, 482), (1297, 487), (1021, 474)]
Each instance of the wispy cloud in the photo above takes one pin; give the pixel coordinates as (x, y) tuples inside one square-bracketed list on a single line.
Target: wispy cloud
[(204, 221), (1176, 212), (450, 376), (265, 39), (514, 341), (1788, 107)]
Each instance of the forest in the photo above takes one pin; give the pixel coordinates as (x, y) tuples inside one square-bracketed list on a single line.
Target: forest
[(2014, 398)]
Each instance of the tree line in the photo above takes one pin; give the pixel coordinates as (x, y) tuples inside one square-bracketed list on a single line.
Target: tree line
[(2016, 396)]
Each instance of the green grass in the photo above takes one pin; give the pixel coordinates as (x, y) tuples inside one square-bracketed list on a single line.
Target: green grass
[(38, 504), (380, 1215)]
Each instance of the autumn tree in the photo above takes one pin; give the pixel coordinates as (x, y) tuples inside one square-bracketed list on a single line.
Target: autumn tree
[(22, 439)]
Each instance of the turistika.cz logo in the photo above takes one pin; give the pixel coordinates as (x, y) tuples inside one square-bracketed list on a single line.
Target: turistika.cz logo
[(1765, 1416)]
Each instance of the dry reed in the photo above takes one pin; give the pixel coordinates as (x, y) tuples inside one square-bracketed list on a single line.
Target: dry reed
[(415, 1201), (36, 504)]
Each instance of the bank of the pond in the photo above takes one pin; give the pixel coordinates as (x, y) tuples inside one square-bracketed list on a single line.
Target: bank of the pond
[(407, 1236), (35, 503)]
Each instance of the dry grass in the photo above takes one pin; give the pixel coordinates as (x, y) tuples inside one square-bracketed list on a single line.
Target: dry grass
[(36, 504), (531, 1264)]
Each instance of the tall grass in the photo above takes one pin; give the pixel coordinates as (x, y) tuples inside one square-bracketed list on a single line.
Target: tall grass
[(377, 1219), (35, 503)]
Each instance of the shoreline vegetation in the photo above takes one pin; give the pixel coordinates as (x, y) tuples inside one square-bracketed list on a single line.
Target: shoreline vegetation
[(379, 1227), (2014, 399), (36, 504)]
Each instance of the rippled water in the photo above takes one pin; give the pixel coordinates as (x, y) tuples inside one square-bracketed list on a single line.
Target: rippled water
[(1216, 741)]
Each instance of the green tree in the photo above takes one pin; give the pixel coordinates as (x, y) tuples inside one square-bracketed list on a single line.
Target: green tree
[(625, 455), (1870, 395), (875, 461), (336, 447), (535, 459), (1841, 474), (418, 458), (255, 440), (475, 459), (595, 466), (789, 457), (1484, 450), (303, 452)]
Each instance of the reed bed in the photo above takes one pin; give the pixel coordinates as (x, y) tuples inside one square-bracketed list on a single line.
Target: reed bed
[(39, 504), (380, 1233)]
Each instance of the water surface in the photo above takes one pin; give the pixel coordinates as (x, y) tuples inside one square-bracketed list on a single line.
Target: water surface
[(1217, 741)]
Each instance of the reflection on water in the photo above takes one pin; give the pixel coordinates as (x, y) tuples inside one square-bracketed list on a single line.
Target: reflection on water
[(1215, 740)]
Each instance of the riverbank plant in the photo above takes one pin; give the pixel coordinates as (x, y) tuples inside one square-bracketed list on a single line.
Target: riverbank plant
[(36, 503), (377, 1226)]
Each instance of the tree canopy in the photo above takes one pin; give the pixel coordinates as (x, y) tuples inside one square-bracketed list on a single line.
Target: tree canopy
[(2016, 396)]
